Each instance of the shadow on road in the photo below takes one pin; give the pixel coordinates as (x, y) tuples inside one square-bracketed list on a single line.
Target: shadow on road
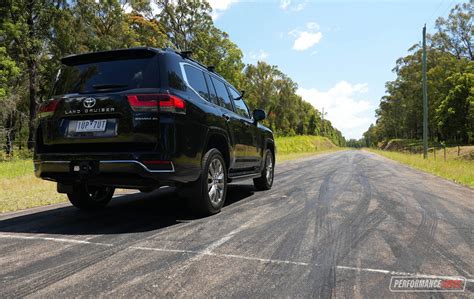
[(134, 213)]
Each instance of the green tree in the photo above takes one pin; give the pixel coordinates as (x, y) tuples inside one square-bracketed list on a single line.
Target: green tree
[(27, 23), (454, 34), (453, 114)]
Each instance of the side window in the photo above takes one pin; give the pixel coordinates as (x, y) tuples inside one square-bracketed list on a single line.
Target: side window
[(212, 91), (222, 93), (240, 106), (196, 80)]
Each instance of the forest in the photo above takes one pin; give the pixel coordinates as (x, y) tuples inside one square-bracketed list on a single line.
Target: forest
[(450, 81), (36, 34)]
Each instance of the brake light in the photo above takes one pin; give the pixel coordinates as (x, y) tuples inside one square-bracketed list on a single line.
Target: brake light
[(48, 108), (151, 102)]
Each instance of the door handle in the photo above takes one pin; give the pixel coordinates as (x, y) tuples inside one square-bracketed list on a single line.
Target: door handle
[(226, 117)]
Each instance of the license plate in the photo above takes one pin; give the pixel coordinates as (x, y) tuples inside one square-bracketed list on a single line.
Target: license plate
[(96, 125)]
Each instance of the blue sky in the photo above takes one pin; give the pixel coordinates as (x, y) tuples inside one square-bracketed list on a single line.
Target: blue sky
[(340, 52)]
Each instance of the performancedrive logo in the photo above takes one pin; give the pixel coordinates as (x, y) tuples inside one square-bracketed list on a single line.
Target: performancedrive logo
[(427, 284)]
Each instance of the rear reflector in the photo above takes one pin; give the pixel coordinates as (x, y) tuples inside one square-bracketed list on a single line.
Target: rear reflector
[(48, 108), (149, 103)]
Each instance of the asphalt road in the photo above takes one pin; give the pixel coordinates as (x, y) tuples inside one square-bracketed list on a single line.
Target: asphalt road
[(336, 225)]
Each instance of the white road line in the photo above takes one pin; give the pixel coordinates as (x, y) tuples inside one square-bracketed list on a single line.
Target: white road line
[(208, 252), (61, 240), (224, 239), (273, 261)]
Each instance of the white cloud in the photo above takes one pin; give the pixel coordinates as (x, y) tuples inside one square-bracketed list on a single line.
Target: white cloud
[(259, 55), (345, 106), (284, 4), (306, 39), (287, 4), (218, 6)]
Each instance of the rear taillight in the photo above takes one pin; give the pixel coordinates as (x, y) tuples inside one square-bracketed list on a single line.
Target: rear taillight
[(48, 108), (149, 103)]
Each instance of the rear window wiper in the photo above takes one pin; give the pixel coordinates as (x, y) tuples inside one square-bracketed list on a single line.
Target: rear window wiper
[(108, 86)]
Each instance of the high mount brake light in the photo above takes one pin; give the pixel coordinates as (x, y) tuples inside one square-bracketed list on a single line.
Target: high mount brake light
[(48, 108), (149, 103)]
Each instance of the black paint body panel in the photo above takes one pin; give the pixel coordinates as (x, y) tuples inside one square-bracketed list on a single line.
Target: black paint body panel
[(132, 136)]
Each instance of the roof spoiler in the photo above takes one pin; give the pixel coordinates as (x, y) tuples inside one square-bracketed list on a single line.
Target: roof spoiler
[(142, 52)]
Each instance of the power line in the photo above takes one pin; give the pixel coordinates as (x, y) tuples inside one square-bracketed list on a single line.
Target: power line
[(435, 11), (450, 5)]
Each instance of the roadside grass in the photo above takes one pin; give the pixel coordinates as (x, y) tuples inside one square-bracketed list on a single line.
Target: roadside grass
[(20, 189), (297, 147), (302, 144), (458, 170), (15, 168), (26, 192)]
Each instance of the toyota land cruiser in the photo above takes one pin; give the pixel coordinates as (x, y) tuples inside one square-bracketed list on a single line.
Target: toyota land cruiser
[(143, 118)]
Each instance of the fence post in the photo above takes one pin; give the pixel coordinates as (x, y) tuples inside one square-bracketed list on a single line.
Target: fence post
[(434, 152)]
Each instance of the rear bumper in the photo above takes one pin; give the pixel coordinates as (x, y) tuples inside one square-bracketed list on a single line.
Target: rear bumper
[(115, 171)]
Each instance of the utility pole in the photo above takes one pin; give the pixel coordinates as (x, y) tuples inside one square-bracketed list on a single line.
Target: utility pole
[(322, 121), (425, 99)]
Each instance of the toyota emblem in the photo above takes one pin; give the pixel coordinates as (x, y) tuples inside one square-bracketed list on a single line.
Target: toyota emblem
[(89, 102)]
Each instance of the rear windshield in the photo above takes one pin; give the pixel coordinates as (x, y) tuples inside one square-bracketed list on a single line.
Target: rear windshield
[(108, 75)]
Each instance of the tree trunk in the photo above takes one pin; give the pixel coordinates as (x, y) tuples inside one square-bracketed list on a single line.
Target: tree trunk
[(32, 65), (32, 77), (10, 133)]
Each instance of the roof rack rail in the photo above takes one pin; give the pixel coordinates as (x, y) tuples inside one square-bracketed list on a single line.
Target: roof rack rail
[(187, 55)]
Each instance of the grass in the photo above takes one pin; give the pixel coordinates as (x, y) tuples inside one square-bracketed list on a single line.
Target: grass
[(26, 192), (458, 170), (15, 168), (296, 147), (20, 189)]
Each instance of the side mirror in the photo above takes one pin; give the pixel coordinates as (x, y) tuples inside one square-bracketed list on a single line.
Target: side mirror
[(259, 115)]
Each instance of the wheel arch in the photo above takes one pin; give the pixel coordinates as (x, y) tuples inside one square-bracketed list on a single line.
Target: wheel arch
[(218, 139)]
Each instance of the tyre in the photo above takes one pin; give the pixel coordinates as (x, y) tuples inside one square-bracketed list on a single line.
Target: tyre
[(207, 195), (90, 197), (265, 182)]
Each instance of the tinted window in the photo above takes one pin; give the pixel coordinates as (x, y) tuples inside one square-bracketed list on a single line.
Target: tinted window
[(196, 80), (212, 91), (222, 93), (239, 104), (106, 75)]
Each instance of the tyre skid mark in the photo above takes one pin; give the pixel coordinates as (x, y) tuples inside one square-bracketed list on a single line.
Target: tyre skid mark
[(282, 262)]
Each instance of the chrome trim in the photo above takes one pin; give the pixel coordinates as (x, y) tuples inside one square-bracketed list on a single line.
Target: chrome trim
[(258, 174), (51, 162), (185, 77), (139, 163)]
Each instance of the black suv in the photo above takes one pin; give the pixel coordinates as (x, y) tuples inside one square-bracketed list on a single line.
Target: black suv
[(143, 118)]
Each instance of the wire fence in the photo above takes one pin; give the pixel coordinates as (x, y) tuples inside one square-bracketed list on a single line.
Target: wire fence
[(433, 149)]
